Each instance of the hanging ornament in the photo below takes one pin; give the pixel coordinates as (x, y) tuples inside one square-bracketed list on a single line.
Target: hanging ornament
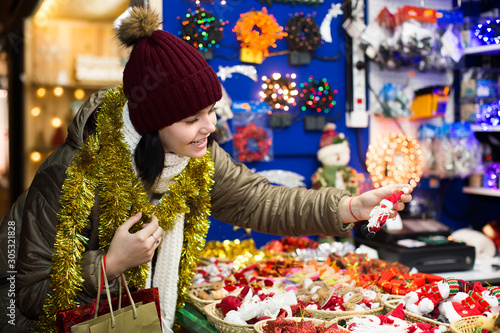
[(325, 30), (247, 70), (381, 212), (251, 143), (279, 91), (303, 38), (488, 32), (257, 31), (318, 95), (202, 30), (394, 159)]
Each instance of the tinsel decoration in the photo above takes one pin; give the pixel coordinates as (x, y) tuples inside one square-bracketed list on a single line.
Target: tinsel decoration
[(251, 38), (279, 91), (394, 159), (202, 30), (104, 163), (488, 32), (302, 33), (314, 3), (318, 95), (251, 143)]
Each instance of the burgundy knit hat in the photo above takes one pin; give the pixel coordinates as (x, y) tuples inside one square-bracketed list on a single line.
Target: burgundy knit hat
[(165, 79)]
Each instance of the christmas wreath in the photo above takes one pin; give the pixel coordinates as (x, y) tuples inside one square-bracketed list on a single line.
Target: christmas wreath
[(488, 32), (202, 30), (394, 159), (279, 91), (303, 33), (318, 95), (251, 143), (270, 31)]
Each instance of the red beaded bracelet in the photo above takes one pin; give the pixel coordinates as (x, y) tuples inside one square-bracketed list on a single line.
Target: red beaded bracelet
[(351, 209)]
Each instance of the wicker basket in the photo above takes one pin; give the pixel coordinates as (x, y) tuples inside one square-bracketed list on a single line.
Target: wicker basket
[(193, 298), (347, 318), (464, 325), (216, 319), (330, 315), (259, 327), (413, 317)]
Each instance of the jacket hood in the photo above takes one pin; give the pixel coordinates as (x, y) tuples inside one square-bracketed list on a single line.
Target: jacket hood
[(77, 125)]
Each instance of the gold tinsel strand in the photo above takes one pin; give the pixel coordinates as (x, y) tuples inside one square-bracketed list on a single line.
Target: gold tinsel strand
[(105, 163)]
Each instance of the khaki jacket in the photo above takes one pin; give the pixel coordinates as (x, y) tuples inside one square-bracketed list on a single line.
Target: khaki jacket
[(238, 197)]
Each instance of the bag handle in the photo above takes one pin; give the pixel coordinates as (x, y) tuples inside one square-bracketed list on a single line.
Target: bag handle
[(103, 276)]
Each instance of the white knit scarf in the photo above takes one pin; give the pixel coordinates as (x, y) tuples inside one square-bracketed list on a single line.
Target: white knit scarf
[(166, 273)]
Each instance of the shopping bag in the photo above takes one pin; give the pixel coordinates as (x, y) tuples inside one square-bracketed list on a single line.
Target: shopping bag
[(68, 318), (137, 312)]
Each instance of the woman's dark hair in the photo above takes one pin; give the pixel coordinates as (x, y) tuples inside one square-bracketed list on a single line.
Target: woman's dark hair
[(149, 158)]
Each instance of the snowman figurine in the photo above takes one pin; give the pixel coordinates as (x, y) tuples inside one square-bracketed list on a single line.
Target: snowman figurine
[(334, 154)]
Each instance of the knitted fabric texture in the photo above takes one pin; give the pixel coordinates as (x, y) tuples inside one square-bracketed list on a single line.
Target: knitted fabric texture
[(166, 80), (167, 264)]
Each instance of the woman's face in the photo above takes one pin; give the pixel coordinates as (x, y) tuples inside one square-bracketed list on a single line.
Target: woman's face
[(188, 137)]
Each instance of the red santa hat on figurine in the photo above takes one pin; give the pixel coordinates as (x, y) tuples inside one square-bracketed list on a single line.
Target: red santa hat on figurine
[(380, 214)]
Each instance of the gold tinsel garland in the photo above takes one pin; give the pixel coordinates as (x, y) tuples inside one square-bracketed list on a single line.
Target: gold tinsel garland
[(104, 163)]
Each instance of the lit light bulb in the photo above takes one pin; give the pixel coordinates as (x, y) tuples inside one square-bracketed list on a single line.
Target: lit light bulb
[(35, 156), (58, 91), (41, 92), (35, 112), (56, 122)]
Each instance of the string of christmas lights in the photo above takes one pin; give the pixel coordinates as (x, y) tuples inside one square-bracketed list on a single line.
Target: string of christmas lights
[(488, 32), (279, 91), (270, 31), (202, 29), (394, 159), (318, 95), (303, 33)]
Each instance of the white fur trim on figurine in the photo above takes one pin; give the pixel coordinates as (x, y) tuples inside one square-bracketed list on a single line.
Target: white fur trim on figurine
[(381, 212)]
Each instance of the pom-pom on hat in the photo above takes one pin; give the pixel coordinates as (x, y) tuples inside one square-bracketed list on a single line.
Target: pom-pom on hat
[(165, 79)]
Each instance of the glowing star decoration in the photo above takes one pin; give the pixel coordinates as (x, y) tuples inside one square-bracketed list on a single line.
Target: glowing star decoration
[(318, 95), (247, 70), (324, 29), (488, 32), (279, 91), (394, 159), (202, 30), (381, 212)]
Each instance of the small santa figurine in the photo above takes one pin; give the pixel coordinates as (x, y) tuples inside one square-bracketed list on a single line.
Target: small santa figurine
[(381, 212)]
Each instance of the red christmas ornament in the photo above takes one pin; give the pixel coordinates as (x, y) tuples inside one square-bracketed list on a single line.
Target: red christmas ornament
[(380, 214)]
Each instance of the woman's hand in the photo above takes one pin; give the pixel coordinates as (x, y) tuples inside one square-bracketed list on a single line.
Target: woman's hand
[(129, 250), (358, 208)]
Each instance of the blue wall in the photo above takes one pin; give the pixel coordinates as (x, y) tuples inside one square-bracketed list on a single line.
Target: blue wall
[(294, 147)]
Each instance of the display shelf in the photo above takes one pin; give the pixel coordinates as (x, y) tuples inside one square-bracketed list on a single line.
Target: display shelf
[(478, 128), (483, 49), (482, 191)]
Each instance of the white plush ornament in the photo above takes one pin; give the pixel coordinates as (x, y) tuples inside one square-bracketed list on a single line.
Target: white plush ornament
[(381, 212)]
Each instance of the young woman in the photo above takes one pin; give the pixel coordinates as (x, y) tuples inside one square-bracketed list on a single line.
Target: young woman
[(137, 179)]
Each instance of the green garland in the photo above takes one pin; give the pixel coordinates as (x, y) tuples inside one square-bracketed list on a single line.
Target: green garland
[(104, 163)]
